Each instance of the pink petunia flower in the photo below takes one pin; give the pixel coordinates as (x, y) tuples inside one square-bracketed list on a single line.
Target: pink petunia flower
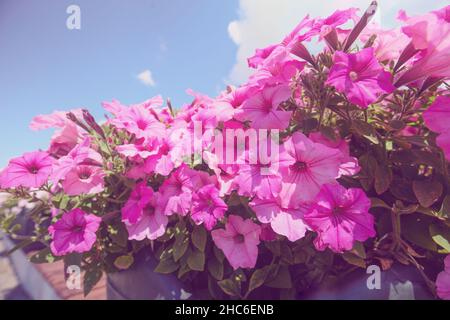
[(152, 156), (163, 162), (263, 109), (143, 215), (84, 180), (443, 281), (140, 121), (388, 44), (337, 18), (310, 166), (437, 118), (139, 198), (74, 232), (349, 165), (177, 190), (259, 175), (304, 31), (31, 170), (67, 135), (284, 221), (430, 35), (82, 154), (207, 206), (340, 217), (359, 76), (238, 241), (278, 69)]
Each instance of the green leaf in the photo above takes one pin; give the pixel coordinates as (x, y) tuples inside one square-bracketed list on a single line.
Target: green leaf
[(91, 278), (214, 290), (215, 268), (218, 254), (282, 280), (445, 208), (167, 266), (230, 287), (365, 130), (369, 165), (166, 236), (427, 192), (383, 178), (274, 247), (286, 254), (118, 234), (196, 260), (441, 235), (199, 237), (64, 202), (257, 279), (183, 270), (353, 259), (415, 228), (44, 256), (124, 262), (180, 247), (402, 190), (378, 203), (359, 249)]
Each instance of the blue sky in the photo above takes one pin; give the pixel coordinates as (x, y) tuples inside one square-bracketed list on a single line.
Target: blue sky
[(198, 44), (46, 67)]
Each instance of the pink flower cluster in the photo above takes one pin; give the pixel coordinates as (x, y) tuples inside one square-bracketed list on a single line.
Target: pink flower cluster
[(296, 192)]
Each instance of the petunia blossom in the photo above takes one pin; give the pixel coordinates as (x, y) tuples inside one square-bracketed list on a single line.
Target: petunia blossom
[(67, 134), (340, 217), (31, 170), (74, 232), (263, 109), (207, 206), (82, 154), (349, 165), (430, 35), (140, 121), (143, 214), (238, 241), (360, 77), (337, 18), (177, 190), (284, 221), (278, 69), (310, 166), (84, 180), (443, 281), (151, 225), (388, 44), (139, 198), (437, 118)]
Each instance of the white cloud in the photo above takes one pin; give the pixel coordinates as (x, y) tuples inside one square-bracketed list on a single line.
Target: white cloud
[(146, 78), (263, 22)]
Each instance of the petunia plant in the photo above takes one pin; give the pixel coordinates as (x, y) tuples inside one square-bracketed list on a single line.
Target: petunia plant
[(317, 165)]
